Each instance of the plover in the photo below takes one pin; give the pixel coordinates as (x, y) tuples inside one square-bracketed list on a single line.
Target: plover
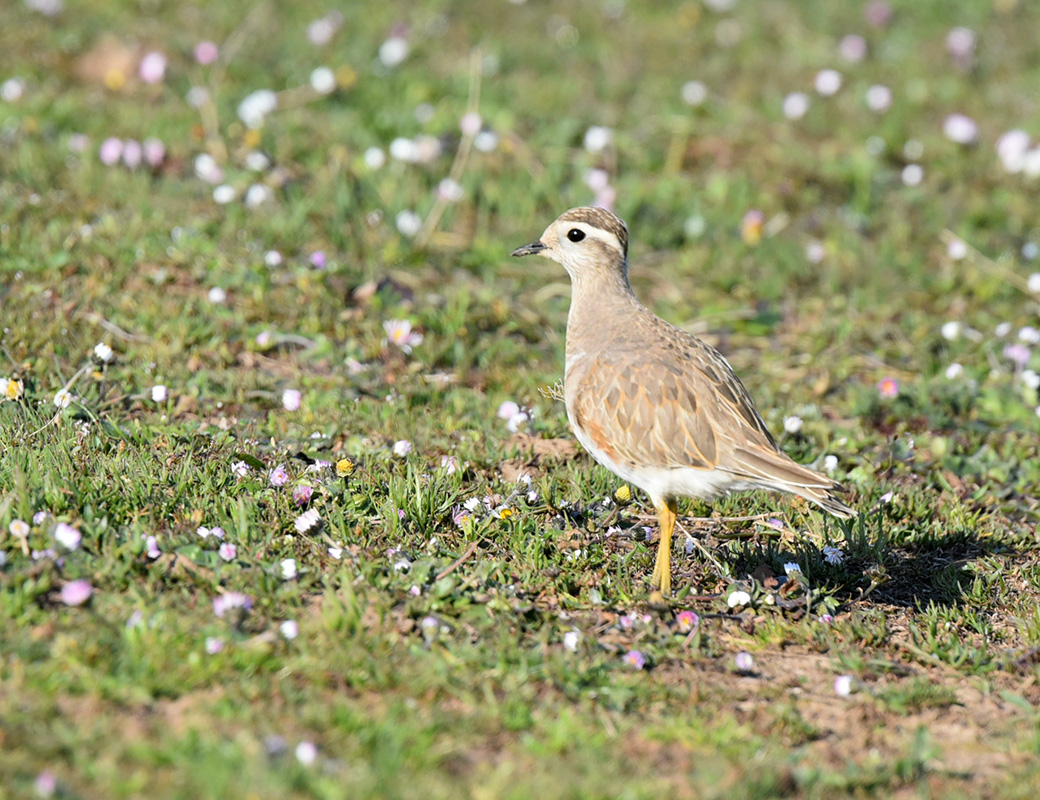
[(652, 403)]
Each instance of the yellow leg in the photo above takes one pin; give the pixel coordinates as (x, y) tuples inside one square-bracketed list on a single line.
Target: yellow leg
[(662, 578)]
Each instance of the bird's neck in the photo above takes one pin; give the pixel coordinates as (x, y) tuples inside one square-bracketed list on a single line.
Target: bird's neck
[(599, 304)]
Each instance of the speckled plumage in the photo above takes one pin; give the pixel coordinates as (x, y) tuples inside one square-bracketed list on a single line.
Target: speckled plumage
[(652, 403)]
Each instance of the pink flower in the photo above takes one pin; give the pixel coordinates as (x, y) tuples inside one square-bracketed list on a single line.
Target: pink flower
[(152, 547), (153, 67), (132, 153), (301, 495), (635, 659), (206, 52), (227, 551), (111, 151), (214, 645), (878, 13), (67, 536), (687, 621), (470, 123), (154, 151), (279, 477), (76, 593), (853, 48), (888, 387), (318, 259), (744, 661)]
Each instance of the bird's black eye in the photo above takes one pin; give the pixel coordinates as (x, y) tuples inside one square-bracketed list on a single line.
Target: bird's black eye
[(575, 235)]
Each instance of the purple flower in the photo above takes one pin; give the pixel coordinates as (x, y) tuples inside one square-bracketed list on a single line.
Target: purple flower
[(1018, 353), (76, 593), (826, 619), (227, 551), (279, 477), (214, 645), (635, 659), (230, 601), (152, 547), (878, 13), (318, 259), (301, 494), (45, 784)]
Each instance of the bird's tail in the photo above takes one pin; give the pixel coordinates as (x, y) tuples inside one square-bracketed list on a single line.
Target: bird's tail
[(777, 471)]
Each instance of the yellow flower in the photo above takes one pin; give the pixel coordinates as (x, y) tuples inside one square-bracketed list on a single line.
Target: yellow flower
[(623, 494), (506, 513), (11, 389), (345, 467)]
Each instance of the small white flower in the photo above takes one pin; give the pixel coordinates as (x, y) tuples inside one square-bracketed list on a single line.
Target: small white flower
[(793, 423), (486, 141), (374, 158), (227, 551), (470, 124), (291, 399), (308, 520), (954, 371), (472, 504), (951, 331), (393, 51), (1002, 330), (571, 640), (206, 169), (12, 90), (402, 448), (214, 645), (287, 568), (843, 685), (832, 555), (400, 334), (960, 128), (217, 295), (404, 150), (912, 175), (1031, 379), (518, 421), (224, 194), (815, 251), (791, 567), (289, 629), (256, 106), (335, 552), (796, 104), (827, 82), (103, 352), (597, 138), (258, 194), (19, 528), (257, 161), (159, 393), (450, 190), (408, 222), (196, 97), (957, 250), (738, 598), (1033, 283), (879, 98), (694, 93), (830, 463), (1029, 335), (63, 399), (323, 80), (306, 753)]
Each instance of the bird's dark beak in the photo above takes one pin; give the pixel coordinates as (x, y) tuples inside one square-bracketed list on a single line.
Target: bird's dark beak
[(529, 249)]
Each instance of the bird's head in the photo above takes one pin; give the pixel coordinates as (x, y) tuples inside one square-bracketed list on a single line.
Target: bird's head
[(587, 241)]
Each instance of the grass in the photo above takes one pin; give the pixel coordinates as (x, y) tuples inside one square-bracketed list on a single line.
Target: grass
[(463, 629)]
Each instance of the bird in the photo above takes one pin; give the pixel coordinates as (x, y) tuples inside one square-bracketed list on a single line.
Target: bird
[(655, 405)]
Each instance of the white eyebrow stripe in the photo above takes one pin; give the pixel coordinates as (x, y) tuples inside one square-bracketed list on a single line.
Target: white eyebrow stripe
[(599, 234)]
